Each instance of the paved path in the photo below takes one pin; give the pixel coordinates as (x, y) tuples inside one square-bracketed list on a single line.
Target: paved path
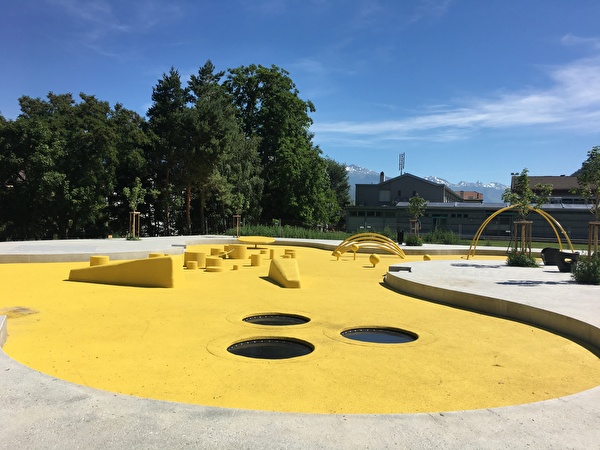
[(39, 411)]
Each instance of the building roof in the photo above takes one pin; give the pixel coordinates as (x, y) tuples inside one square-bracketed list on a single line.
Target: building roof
[(409, 175), (559, 183)]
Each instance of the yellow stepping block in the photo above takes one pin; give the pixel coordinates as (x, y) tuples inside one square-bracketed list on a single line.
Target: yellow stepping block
[(160, 271), (285, 272)]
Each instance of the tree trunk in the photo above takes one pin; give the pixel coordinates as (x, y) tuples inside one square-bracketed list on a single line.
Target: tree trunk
[(188, 201), (167, 201), (202, 219)]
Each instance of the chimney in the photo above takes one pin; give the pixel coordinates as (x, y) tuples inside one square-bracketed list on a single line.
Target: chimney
[(381, 177)]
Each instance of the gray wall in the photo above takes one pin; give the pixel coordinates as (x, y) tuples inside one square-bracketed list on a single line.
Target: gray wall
[(465, 219)]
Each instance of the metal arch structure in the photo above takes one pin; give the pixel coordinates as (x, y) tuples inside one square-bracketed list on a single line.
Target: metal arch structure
[(551, 221), (368, 240)]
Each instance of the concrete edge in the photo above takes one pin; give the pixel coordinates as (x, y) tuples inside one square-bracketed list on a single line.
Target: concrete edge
[(558, 323), (81, 257), (3, 331), (47, 412)]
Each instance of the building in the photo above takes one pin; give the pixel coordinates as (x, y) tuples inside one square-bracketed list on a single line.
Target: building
[(471, 196), (401, 189), (384, 205), (563, 188)]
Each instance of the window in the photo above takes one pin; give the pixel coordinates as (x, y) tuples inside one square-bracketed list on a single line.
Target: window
[(384, 195)]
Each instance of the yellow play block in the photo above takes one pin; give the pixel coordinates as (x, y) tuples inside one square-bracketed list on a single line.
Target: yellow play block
[(285, 272), (199, 257), (162, 271), (238, 251)]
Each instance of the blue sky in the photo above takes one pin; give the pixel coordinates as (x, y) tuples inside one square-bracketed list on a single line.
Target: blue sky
[(468, 89)]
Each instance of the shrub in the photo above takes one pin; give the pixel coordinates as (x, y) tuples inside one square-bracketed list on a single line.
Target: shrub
[(288, 232), (388, 232), (586, 270), (413, 240), (518, 258), (442, 237)]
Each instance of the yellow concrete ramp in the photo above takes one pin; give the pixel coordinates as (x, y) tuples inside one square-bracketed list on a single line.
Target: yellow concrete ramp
[(285, 272), (161, 271)]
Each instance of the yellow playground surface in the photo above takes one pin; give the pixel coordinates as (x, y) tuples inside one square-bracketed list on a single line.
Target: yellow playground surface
[(172, 343)]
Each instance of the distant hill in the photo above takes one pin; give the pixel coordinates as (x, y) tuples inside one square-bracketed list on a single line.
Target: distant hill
[(492, 192)]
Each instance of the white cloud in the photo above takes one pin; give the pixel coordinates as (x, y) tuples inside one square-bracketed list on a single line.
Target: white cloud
[(99, 21), (572, 102), (572, 40), (430, 8)]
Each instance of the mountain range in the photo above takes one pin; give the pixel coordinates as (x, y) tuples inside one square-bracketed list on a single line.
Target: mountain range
[(492, 192)]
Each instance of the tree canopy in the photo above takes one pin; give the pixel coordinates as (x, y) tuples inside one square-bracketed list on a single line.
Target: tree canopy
[(588, 178), (296, 186), (522, 197), (217, 144)]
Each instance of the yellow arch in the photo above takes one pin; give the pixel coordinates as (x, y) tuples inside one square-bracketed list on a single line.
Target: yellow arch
[(551, 220), (368, 240)]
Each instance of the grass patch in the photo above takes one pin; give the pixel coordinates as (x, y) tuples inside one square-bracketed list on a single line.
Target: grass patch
[(289, 232), (442, 237)]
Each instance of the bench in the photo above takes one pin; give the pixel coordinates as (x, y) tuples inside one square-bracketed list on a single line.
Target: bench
[(565, 261), (550, 256)]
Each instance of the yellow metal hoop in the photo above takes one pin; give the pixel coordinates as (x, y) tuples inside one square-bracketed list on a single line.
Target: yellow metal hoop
[(368, 240), (551, 220)]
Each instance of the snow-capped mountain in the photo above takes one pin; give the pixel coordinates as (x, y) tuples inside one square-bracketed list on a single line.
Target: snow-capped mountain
[(492, 192), (360, 175)]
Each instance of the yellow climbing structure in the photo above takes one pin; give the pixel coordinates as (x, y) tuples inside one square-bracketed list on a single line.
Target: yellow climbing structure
[(368, 240), (551, 221)]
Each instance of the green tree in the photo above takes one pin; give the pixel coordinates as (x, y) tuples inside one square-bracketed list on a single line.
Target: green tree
[(28, 151), (240, 188), (293, 170), (340, 187), (213, 132), (133, 140), (416, 208), (588, 178), (91, 162), (134, 195), (523, 198), (169, 118), (60, 157)]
